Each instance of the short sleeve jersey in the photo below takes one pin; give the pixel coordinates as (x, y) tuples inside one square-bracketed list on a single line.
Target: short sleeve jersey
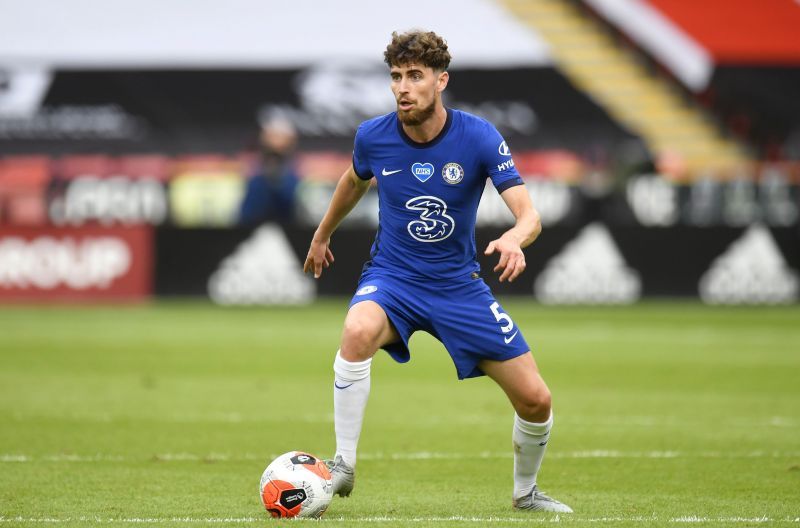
[(428, 193)]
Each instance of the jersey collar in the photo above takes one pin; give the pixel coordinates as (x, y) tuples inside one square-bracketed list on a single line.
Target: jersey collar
[(430, 143)]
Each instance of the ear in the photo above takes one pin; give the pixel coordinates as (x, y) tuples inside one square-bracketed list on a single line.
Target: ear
[(441, 83)]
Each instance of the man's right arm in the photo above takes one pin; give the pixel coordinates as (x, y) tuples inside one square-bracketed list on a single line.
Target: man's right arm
[(349, 191)]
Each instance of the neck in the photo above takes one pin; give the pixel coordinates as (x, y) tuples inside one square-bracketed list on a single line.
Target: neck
[(430, 128)]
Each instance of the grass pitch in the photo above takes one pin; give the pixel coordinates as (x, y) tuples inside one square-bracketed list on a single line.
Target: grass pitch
[(165, 415)]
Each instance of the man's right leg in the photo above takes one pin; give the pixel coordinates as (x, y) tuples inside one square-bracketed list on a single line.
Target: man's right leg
[(366, 329)]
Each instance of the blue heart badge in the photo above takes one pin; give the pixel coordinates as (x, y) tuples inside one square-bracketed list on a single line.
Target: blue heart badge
[(422, 171)]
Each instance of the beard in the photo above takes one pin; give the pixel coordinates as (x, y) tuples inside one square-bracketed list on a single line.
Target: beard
[(416, 117)]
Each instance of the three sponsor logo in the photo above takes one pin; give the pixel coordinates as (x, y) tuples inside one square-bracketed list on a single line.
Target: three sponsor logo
[(433, 223)]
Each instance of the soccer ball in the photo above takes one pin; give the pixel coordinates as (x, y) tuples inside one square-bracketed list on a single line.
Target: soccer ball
[(296, 484)]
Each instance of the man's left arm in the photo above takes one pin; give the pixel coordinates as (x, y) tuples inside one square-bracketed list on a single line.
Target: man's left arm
[(527, 227)]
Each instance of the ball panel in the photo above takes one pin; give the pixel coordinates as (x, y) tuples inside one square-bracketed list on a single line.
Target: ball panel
[(301, 458), (292, 499), (313, 464), (283, 498)]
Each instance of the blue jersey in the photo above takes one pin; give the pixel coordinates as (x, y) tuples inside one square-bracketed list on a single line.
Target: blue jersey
[(429, 192)]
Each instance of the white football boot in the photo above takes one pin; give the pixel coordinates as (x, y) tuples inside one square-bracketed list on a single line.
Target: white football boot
[(344, 476), (538, 501)]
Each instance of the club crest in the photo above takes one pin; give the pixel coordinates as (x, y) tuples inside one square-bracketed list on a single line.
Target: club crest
[(453, 173)]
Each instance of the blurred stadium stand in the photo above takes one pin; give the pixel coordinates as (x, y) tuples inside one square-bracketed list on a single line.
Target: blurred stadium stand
[(648, 104), (628, 114), (739, 59)]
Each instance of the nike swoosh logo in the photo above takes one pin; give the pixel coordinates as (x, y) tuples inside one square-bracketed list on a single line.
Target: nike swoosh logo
[(388, 173), (336, 384), (510, 339)]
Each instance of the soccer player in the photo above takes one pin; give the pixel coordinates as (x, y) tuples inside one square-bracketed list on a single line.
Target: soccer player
[(431, 165)]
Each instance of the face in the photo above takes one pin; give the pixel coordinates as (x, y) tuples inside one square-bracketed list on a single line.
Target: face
[(277, 140), (417, 90)]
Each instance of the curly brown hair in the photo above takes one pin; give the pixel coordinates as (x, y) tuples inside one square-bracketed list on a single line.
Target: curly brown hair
[(417, 47)]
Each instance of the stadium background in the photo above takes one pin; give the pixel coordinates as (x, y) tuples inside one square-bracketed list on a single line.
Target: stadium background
[(660, 140), (138, 133)]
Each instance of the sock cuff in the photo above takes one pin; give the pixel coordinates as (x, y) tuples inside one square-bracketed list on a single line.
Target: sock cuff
[(351, 370), (533, 428)]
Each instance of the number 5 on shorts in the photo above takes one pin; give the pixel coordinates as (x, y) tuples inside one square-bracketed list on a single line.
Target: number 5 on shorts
[(501, 317)]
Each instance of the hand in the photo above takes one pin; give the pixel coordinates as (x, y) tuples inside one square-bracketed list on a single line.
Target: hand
[(512, 260), (319, 255)]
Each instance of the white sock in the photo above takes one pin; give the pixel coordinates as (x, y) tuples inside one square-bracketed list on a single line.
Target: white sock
[(530, 442), (350, 393)]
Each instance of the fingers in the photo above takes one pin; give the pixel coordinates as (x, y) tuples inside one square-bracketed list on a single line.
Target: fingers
[(507, 270), (315, 263), (328, 260), (513, 267), (519, 267), (490, 248), (503, 263), (312, 265)]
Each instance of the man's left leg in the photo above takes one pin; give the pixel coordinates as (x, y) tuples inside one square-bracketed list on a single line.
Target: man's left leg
[(520, 379)]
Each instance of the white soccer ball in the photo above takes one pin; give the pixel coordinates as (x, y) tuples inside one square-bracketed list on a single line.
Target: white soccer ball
[(296, 484)]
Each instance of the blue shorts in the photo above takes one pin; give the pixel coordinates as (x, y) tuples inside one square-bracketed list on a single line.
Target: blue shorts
[(461, 313)]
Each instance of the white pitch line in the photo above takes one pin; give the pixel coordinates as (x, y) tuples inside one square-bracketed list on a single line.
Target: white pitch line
[(414, 455), (14, 458), (690, 519)]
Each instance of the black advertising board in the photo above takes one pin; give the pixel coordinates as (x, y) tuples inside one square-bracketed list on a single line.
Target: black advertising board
[(567, 265)]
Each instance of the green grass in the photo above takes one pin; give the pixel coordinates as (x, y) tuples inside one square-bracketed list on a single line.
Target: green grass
[(666, 414)]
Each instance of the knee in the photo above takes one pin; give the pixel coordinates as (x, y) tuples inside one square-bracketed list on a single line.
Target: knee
[(359, 340), (535, 405)]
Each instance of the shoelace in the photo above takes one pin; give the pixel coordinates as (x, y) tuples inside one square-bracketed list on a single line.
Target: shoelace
[(539, 495), (333, 466)]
